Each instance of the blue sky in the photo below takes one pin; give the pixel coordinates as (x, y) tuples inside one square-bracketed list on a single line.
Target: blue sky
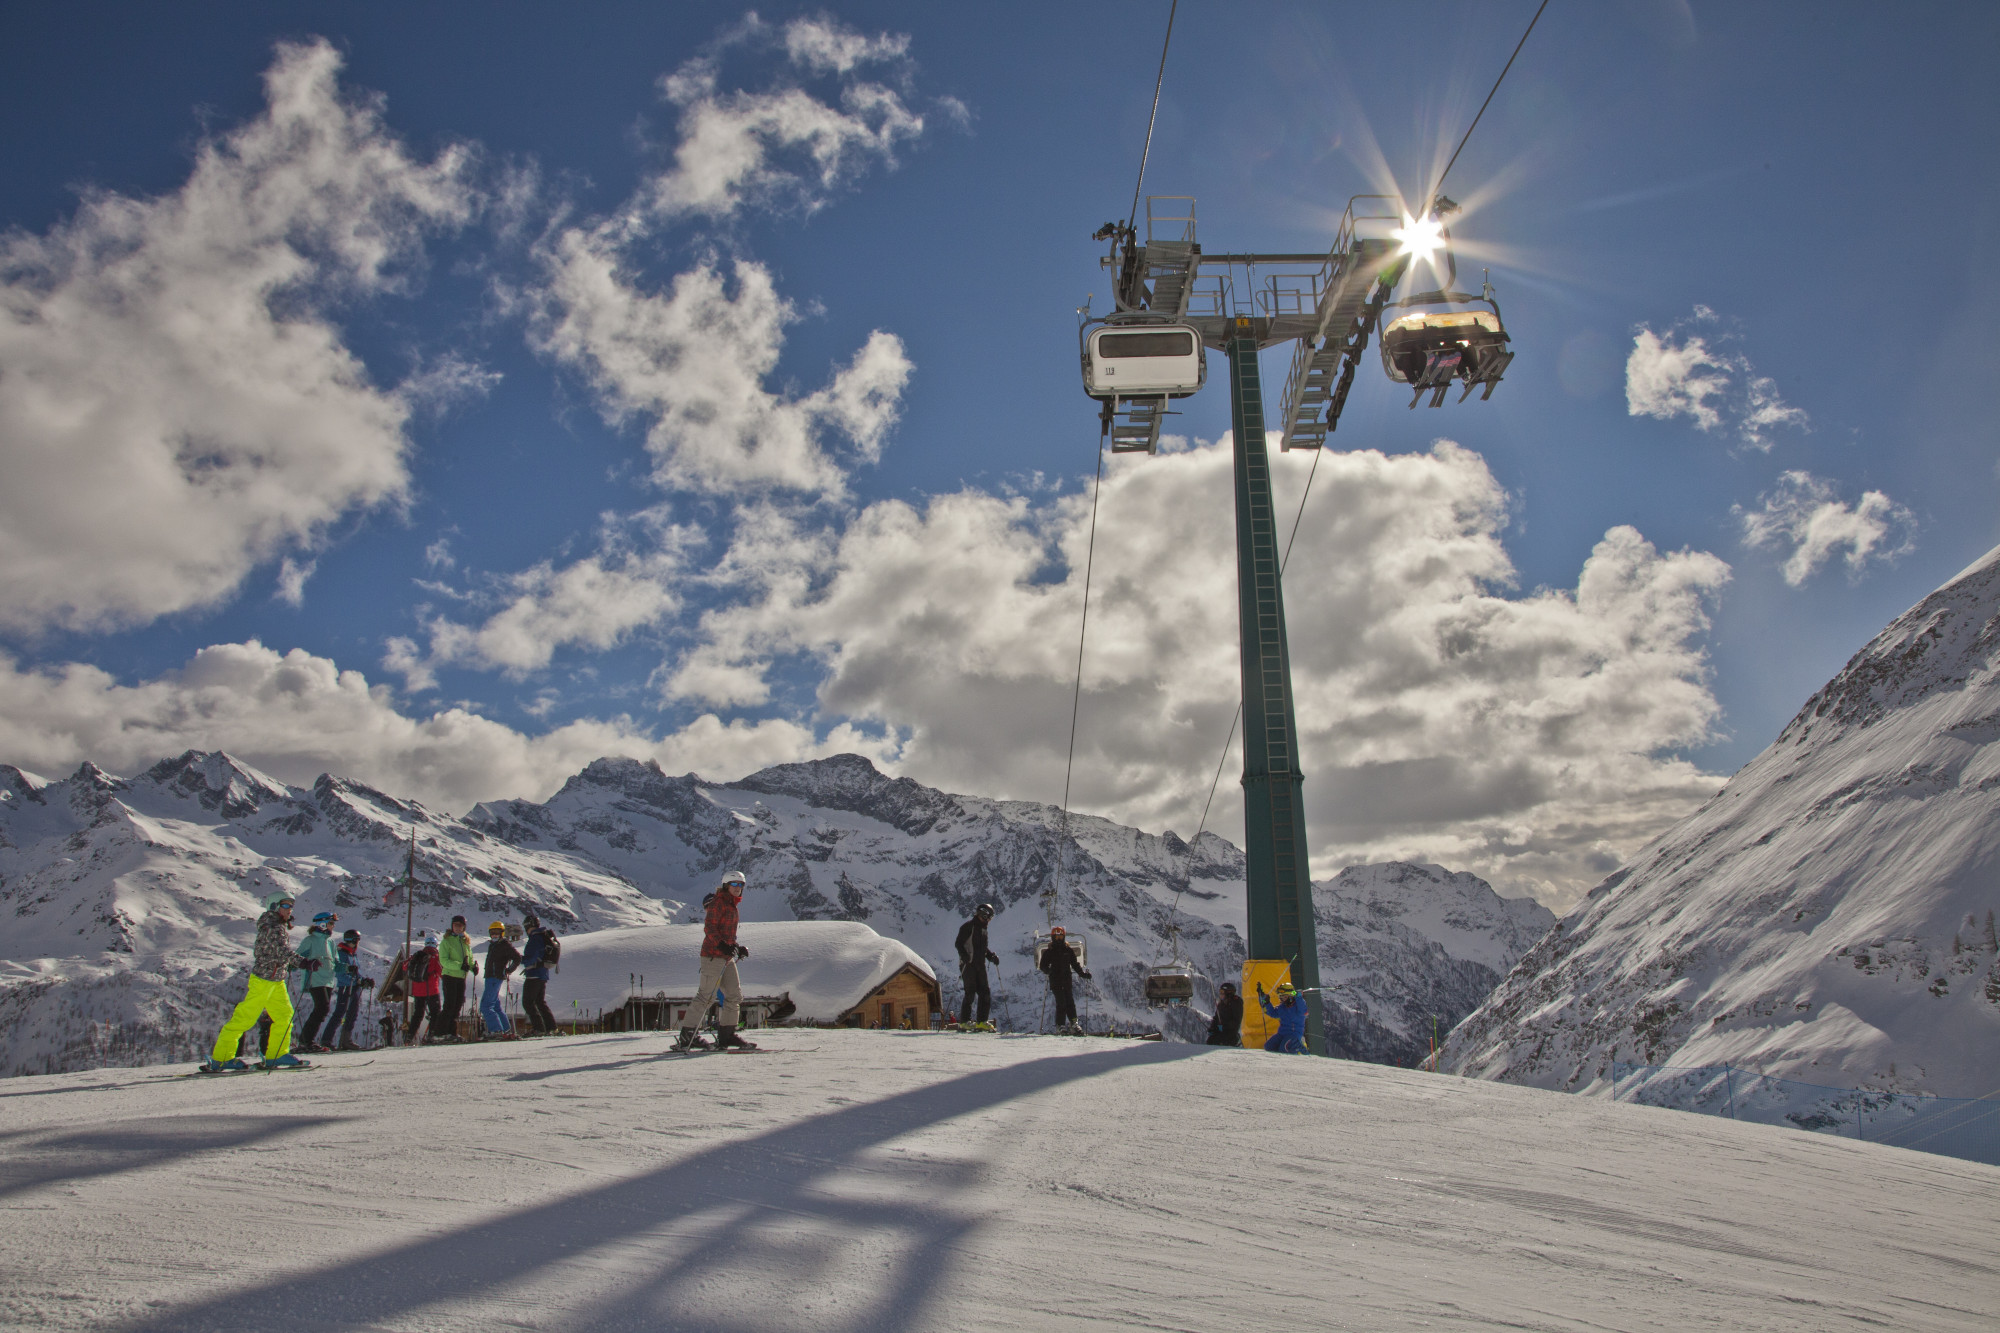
[(506, 290)]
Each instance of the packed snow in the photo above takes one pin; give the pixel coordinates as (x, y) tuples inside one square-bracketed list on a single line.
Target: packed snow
[(1828, 917), (887, 1181)]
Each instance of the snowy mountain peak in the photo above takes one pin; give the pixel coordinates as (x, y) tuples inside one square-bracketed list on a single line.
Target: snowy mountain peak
[(217, 782), (852, 782), (1825, 917), (1941, 643)]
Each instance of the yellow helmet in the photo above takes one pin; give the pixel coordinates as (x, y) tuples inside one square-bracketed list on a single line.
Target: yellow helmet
[(497, 928)]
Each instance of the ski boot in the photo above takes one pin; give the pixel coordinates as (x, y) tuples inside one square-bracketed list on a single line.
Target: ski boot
[(726, 1040), (690, 1040), (286, 1061), (222, 1067), (347, 1044)]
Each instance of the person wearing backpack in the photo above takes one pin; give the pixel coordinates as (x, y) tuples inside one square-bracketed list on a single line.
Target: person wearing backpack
[(455, 958), (424, 975), (348, 983), (541, 954)]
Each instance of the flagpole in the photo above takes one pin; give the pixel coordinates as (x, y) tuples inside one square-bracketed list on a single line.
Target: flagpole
[(409, 920)]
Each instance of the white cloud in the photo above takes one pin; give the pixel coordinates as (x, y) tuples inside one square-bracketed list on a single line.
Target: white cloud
[(292, 577), (175, 406), (1804, 513), (693, 362), (783, 148), (296, 715), (594, 602), (1681, 374), (1524, 737)]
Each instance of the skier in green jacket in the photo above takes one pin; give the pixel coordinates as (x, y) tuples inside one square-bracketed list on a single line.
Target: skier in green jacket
[(455, 957)]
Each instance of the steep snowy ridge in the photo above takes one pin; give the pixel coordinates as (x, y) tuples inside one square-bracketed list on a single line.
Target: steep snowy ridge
[(134, 900), (1827, 917)]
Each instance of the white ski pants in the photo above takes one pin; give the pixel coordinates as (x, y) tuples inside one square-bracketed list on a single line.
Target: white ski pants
[(716, 974)]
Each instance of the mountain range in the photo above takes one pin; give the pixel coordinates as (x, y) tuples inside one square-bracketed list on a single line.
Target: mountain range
[(132, 901)]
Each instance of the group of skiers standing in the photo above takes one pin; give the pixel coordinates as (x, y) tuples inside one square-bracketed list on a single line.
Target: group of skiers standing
[(435, 976)]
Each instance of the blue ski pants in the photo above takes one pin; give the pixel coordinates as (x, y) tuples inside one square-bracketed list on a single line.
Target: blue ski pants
[(490, 1007)]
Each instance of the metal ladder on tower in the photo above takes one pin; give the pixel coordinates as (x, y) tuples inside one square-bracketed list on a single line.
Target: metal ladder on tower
[(1165, 279), (1316, 389)]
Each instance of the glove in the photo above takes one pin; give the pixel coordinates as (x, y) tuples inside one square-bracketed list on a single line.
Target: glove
[(312, 966), (472, 969), (992, 957), (1260, 990), (1084, 975), (742, 952), (368, 982)]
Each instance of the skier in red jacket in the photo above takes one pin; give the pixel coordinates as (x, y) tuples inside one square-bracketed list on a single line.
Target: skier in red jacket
[(719, 952), (426, 976)]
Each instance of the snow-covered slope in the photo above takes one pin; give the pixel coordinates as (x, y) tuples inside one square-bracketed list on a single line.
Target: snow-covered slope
[(883, 1182), (1404, 947), (827, 967), (1827, 917), (131, 905)]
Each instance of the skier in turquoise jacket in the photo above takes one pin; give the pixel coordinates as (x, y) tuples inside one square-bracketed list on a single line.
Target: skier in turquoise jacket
[(1290, 1011)]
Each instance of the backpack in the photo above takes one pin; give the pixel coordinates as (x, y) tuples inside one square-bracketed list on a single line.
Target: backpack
[(551, 950)]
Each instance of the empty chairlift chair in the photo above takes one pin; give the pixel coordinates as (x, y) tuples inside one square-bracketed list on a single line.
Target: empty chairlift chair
[(1135, 369), (1170, 986)]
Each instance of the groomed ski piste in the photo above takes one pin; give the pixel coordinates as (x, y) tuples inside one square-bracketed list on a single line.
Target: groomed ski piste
[(873, 1181)]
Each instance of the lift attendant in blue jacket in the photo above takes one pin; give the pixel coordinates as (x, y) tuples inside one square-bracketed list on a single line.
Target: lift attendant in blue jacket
[(1290, 1012)]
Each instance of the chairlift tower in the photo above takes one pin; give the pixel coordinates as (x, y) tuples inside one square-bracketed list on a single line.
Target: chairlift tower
[(1170, 302)]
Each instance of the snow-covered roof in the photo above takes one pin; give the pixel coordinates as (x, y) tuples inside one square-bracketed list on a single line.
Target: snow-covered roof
[(827, 967)]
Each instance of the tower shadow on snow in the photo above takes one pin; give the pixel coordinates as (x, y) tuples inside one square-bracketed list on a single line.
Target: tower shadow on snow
[(772, 1178)]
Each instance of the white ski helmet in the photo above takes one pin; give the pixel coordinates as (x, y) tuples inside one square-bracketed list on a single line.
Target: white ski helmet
[(274, 899), (735, 877)]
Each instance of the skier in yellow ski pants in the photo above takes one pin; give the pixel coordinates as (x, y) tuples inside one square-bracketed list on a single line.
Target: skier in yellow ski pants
[(264, 997)]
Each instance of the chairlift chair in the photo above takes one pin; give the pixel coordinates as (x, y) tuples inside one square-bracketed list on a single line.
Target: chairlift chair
[(1171, 986), (1428, 349), (1135, 360)]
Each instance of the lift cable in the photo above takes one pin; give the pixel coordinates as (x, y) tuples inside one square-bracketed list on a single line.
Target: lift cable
[(1090, 553), (1076, 696), (1158, 82), (1438, 188)]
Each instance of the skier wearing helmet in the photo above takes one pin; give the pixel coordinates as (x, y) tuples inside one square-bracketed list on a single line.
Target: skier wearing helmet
[(424, 973), (501, 959), (317, 949), (973, 956), (1059, 960), (719, 952), (271, 959), (535, 960), (1226, 1028), (347, 999), (1290, 1011)]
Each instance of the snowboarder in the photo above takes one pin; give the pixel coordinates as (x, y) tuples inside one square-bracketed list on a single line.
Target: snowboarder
[(535, 975), (973, 956), (1226, 1028), (271, 959), (423, 979), (1059, 960), (1290, 1011), (349, 983), (317, 948), (455, 958), (719, 952), (501, 959)]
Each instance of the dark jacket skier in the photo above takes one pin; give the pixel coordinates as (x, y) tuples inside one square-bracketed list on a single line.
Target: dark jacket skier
[(1290, 1038), (270, 960), (1059, 960), (501, 959), (350, 983), (973, 956), (535, 976), (1226, 1028)]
